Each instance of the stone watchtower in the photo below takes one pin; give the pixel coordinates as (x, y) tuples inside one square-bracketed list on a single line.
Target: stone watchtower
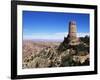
[(72, 30), (72, 38)]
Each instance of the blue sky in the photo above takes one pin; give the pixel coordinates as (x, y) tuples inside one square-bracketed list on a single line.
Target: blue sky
[(52, 25)]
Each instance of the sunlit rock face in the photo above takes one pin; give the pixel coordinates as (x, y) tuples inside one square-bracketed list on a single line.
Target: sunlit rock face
[(72, 38)]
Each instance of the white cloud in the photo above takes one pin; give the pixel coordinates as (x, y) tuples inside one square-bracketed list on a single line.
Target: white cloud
[(82, 34), (59, 35)]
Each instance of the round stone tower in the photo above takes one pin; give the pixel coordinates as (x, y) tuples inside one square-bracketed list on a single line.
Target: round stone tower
[(72, 30), (72, 38)]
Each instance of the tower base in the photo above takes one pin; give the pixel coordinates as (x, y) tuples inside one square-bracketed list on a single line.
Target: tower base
[(72, 42)]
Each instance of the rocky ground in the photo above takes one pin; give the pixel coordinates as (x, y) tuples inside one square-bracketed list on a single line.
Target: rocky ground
[(54, 54)]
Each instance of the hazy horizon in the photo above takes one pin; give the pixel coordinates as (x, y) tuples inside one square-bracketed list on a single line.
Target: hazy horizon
[(52, 36)]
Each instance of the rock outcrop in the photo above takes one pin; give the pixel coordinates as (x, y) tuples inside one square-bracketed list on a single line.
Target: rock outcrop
[(58, 57)]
